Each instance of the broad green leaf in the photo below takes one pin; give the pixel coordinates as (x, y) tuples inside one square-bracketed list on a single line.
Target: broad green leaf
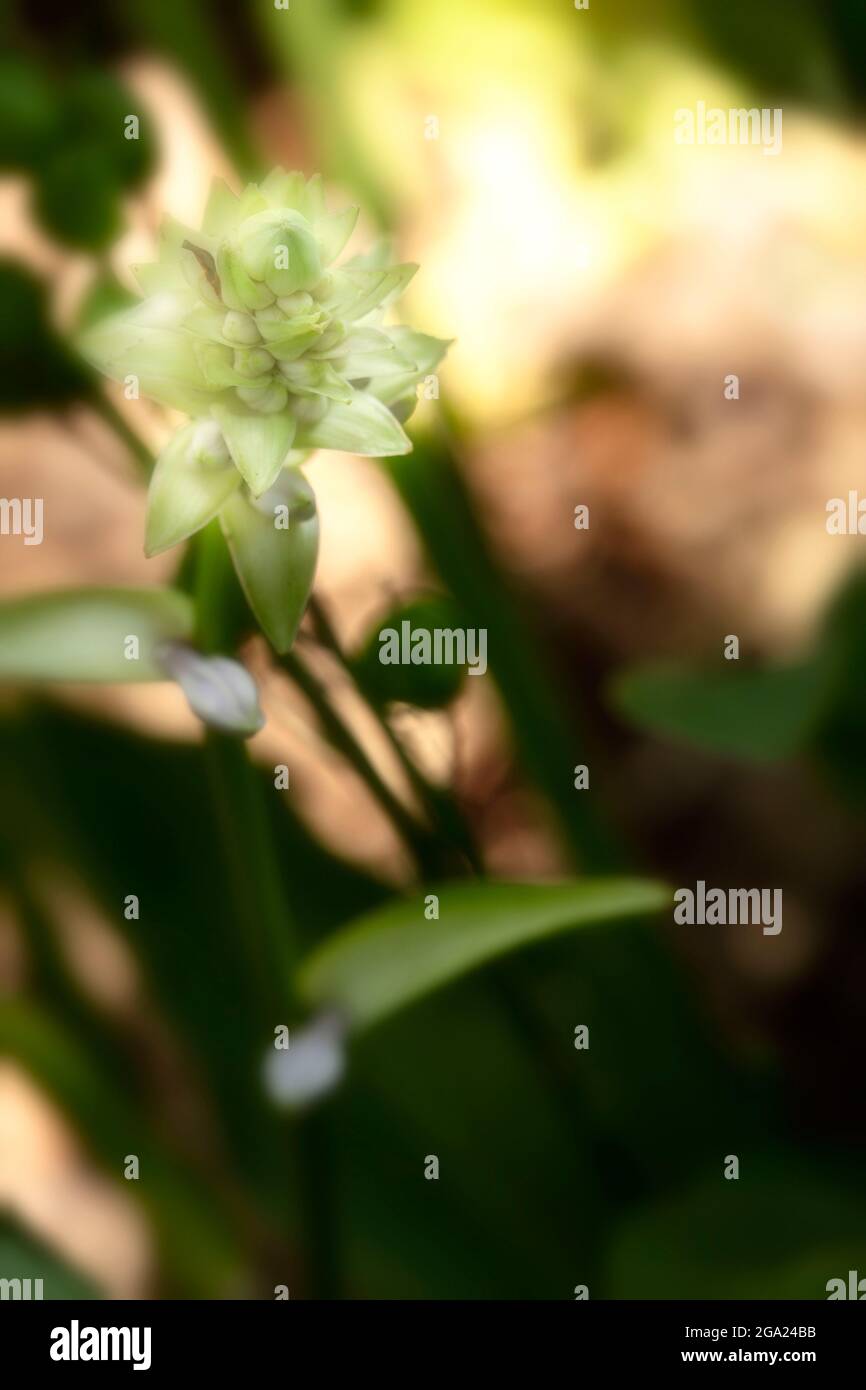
[(364, 426), (781, 1230), (23, 1256), (258, 443), (395, 955), (192, 479), (275, 562), (82, 634), (751, 714)]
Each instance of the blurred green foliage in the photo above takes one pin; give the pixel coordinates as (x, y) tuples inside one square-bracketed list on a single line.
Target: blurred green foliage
[(558, 1166), (37, 369), (426, 687)]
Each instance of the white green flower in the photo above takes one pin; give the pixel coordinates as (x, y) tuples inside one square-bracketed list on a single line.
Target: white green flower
[(250, 328)]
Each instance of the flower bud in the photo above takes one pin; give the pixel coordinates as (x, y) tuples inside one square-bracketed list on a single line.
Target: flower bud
[(252, 361), (279, 247), (312, 1064), (265, 399), (299, 303), (240, 328), (220, 691)]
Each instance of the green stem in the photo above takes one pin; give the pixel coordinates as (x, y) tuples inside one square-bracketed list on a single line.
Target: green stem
[(421, 844), (264, 916), (242, 810), (440, 808), (317, 1150)]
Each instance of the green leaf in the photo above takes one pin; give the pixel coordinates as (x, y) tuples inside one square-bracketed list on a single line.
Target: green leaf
[(427, 687), (78, 196), (29, 114), (395, 955), (785, 1227), (81, 634), (275, 564), (751, 714), (96, 107), (36, 367), (191, 481), (364, 426), (257, 443)]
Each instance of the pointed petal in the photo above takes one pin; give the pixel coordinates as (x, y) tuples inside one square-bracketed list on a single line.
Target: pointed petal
[(356, 292), (193, 477), (317, 379), (369, 352), (313, 200), (139, 342), (426, 351), (364, 426), (221, 211), (252, 200), (275, 563), (257, 443), (333, 231), (282, 190), (379, 257), (155, 276), (172, 235)]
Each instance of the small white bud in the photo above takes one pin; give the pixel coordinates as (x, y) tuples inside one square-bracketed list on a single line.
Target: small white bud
[(219, 690), (312, 1065)]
